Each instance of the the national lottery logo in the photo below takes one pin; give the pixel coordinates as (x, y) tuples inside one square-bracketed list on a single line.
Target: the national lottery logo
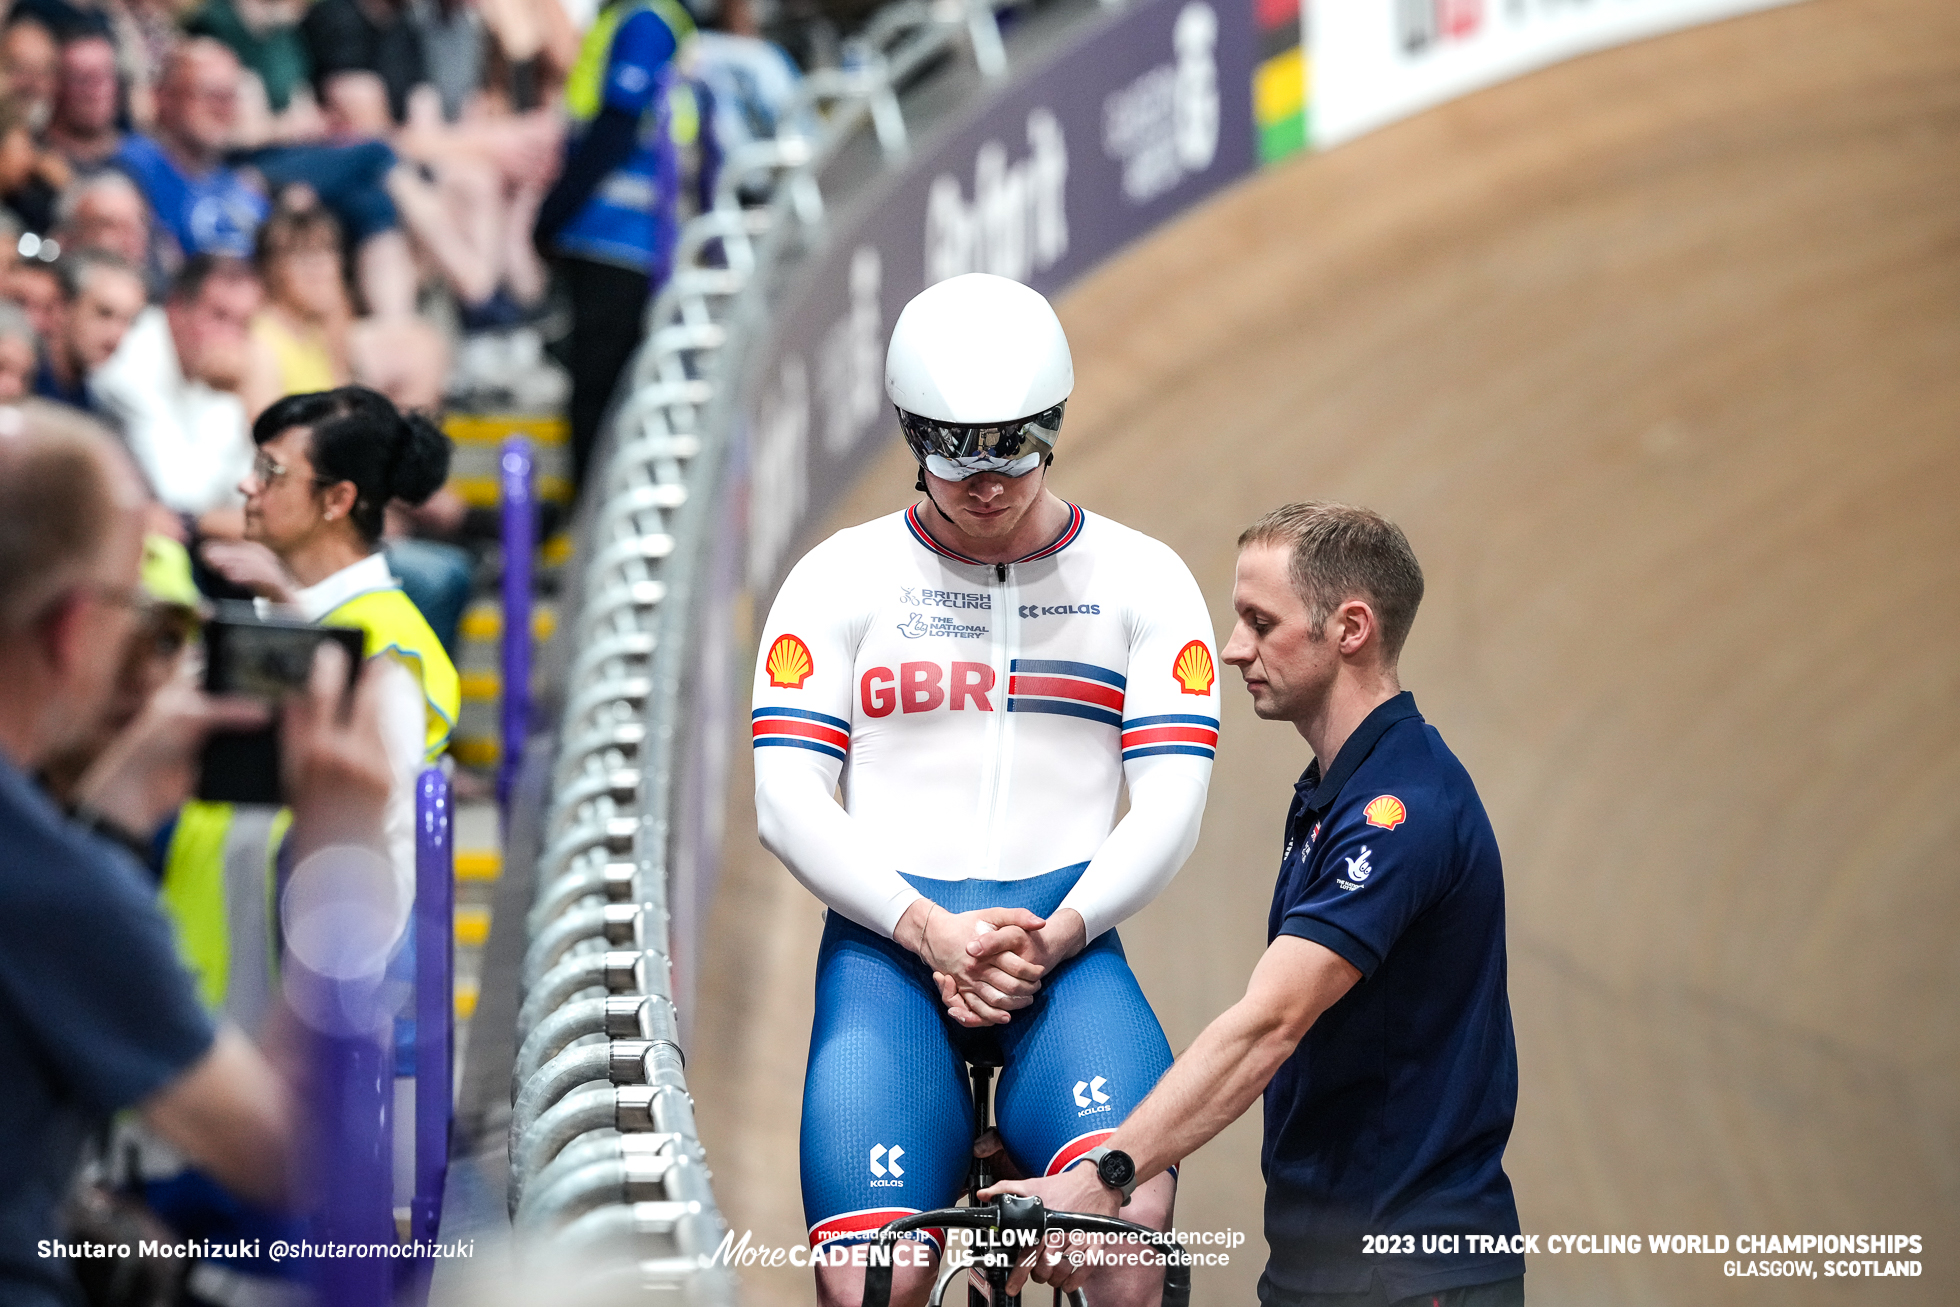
[(1358, 871)]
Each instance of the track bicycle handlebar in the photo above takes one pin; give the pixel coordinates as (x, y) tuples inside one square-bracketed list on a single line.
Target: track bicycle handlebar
[(1025, 1214)]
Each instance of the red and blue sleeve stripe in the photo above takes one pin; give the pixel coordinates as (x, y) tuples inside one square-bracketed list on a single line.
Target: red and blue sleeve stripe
[(799, 728), (1170, 733), (1069, 689)]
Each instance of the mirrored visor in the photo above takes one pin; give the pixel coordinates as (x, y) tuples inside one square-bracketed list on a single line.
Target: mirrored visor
[(994, 444)]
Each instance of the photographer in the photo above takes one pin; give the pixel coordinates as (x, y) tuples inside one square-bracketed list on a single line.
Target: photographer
[(96, 1014)]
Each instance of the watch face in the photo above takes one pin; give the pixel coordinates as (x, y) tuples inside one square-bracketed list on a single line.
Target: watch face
[(1116, 1169)]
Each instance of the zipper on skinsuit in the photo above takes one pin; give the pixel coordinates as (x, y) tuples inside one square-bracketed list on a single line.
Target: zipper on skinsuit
[(1004, 641)]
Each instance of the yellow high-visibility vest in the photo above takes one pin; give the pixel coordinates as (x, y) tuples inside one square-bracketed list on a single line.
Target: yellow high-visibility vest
[(218, 878), (585, 86), (394, 626)]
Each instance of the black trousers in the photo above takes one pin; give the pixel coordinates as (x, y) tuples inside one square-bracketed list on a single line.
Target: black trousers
[(609, 305)]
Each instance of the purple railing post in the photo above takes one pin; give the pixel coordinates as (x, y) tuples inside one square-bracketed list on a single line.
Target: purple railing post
[(520, 529), (353, 1092), (435, 1001)]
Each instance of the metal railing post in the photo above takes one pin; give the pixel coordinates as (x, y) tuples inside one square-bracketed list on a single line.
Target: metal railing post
[(435, 1003), (353, 1092), (520, 533)]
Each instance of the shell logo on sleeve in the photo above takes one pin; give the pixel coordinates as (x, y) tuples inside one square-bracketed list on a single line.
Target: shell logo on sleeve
[(1386, 812), (788, 663), (1192, 668)]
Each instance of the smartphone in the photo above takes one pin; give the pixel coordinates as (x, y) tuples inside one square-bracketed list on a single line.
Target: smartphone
[(264, 658)]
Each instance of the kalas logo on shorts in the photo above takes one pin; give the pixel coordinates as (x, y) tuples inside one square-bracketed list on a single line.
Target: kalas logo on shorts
[(788, 663), (1386, 812), (1192, 668), (884, 1161)]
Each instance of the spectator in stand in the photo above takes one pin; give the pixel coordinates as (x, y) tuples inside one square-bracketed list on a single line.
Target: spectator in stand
[(106, 212), (35, 286), (753, 81), (83, 130), (172, 387), (611, 218), (30, 180), (18, 348), (207, 207), (202, 205), (472, 197), (27, 67), (96, 1013), (307, 338), (265, 36), (299, 337), (373, 36), (100, 297)]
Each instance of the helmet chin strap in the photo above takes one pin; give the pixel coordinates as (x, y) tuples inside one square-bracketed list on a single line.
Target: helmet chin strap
[(935, 503)]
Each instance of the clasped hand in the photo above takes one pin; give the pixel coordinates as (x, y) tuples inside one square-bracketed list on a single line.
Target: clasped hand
[(988, 963)]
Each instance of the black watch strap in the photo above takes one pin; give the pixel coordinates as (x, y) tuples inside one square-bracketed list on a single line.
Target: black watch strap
[(1115, 1168)]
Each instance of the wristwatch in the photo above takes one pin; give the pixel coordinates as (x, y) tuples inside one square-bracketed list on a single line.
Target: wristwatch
[(1115, 1169)]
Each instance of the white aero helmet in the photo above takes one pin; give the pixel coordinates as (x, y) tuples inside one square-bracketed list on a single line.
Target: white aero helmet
[(979, 370)]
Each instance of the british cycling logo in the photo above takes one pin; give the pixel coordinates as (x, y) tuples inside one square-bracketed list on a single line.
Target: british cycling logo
[(921, 597), (1061, 610), (1090, 1097), (884, 1163), (1358, 870), (789, 663)]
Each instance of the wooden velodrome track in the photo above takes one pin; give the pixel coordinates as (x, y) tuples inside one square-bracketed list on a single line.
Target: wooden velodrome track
[(1656, 356)]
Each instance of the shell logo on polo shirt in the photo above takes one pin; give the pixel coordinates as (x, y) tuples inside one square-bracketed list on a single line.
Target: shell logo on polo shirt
[(1386, 812), (788, 663), (1192, 668)]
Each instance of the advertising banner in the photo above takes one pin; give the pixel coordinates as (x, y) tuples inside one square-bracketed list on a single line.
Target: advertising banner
[(1143, 115), (1375, 61)]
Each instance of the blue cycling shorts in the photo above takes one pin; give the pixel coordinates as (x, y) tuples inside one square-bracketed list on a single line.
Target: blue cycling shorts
[(887, 1108)]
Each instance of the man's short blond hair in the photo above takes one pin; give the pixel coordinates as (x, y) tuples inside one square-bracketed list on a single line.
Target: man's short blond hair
[(1337, 552), (57, 506)]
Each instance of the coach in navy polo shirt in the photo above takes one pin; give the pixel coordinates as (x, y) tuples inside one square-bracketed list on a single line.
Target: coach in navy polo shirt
[(1377, 1022)]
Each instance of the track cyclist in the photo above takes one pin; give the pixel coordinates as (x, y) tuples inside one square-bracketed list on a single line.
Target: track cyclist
[(981, 674)]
